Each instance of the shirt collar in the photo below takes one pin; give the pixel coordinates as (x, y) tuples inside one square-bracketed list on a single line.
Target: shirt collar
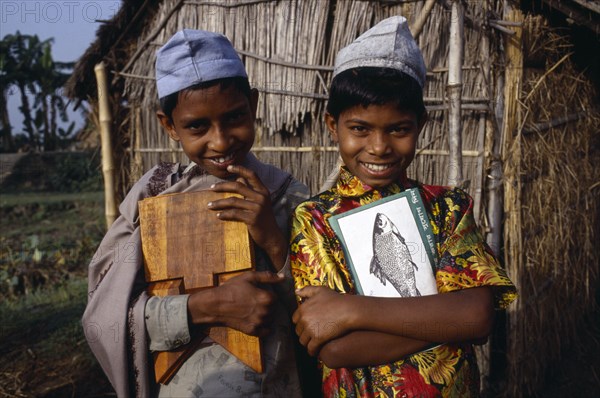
[(350, 185)]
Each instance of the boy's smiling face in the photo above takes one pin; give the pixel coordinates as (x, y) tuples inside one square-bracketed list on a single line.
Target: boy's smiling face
[(214, 125), (376, 143)]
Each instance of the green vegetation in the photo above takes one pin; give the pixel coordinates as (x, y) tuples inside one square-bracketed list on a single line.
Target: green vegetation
[(55, 172), (47, 240)]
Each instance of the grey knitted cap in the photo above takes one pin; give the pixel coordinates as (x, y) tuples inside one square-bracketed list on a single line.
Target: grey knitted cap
[(389, 44)]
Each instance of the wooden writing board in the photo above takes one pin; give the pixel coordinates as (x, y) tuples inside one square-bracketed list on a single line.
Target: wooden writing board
[(186, 248)]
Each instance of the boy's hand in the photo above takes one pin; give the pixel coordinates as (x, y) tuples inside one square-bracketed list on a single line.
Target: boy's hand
[(323, 316), (239, 303), (254, 209)]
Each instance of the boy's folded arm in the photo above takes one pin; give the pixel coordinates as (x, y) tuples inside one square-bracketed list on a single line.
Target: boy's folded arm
[(458, 316), (366, 348)]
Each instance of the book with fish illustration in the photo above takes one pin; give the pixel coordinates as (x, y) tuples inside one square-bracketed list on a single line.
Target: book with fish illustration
[(389, 246)]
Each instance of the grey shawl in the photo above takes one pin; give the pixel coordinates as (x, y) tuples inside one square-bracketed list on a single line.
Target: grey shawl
[(113, 321)]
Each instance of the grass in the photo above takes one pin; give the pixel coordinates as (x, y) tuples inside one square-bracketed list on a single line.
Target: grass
[(46, 243), (43, 308), (20, 199)]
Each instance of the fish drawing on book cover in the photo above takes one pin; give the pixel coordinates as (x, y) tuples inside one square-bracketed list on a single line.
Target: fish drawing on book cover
[(392, 259)]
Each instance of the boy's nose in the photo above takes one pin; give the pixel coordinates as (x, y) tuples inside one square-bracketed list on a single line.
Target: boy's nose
[(378, 144), (219, 139)]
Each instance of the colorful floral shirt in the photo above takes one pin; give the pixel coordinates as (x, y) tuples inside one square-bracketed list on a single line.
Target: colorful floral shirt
[(464, 261)]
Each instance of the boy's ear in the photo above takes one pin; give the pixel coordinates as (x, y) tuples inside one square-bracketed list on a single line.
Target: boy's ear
[(253, 101), (422, 120), (167, 124), (331, 124)]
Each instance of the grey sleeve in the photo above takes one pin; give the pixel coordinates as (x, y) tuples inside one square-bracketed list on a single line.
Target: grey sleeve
[(167, 322)]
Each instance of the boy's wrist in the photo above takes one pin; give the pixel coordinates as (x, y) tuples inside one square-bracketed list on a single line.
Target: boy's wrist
[(200, 305), (277, 252), (355, 317)]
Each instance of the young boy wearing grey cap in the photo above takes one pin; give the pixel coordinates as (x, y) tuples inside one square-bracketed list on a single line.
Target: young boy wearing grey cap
[(392, 347), (208, 106)]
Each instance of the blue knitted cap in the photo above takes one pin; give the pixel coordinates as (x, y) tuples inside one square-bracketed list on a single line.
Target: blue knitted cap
[(195, 56)]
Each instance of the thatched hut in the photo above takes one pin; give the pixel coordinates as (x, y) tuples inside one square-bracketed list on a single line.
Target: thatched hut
[(513, 119)]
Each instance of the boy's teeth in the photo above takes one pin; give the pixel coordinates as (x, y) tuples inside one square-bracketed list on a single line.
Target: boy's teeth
[(376, 167), (224, 159)]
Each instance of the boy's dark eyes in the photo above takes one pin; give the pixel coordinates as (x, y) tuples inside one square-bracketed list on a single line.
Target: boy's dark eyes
[(359, 129), (202, 125), (400, 130), (197, 125), (235, 116), (396, 130)]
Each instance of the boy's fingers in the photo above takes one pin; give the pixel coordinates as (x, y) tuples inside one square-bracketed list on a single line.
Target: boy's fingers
[(238, 187), (249, 176), (307, 292), (313, 349), (242, 180), (232, 203), (295, 319), (264, 277)]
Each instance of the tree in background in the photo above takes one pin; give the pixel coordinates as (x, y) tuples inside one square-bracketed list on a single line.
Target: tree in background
[(6, 140), (51, 79), (26, 63), (7, 68), (21, 52)]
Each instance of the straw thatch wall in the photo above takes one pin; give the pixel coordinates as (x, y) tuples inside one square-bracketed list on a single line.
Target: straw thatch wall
[(553, 210), (290, 60)]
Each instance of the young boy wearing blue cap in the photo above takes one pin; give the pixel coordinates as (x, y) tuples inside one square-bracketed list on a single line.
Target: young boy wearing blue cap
[(208, 106), (390, 347)]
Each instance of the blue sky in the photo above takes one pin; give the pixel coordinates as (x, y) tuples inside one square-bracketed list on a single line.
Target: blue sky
[(72, 24)]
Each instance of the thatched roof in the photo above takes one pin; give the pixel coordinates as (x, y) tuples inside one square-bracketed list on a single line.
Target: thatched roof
[(117, 37), (114, 41), (581, 12)]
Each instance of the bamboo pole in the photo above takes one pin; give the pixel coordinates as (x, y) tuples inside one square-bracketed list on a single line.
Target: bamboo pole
[(539, 127), (137, 144), (512, 184), (418, 26), (494, 164), (494, 184), (485, 60), (511, 144), (454, 88), (108, 167), (478, 196), (484, 352)]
